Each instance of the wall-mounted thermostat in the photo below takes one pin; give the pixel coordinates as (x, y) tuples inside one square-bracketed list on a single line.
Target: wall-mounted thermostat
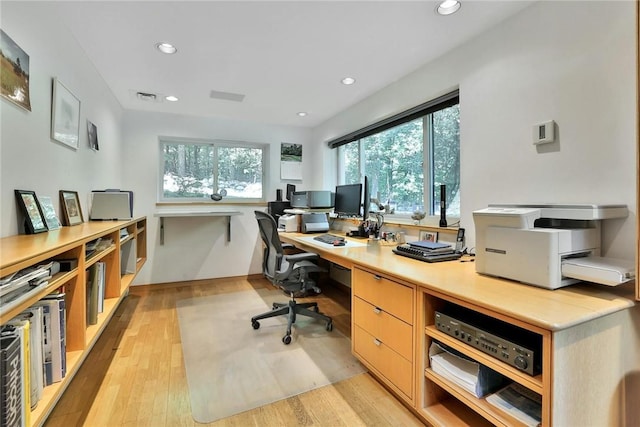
[(544, 132)]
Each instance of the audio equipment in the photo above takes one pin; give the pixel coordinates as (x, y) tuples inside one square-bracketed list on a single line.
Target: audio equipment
[(279, 195), (511, 344), (443, 205)]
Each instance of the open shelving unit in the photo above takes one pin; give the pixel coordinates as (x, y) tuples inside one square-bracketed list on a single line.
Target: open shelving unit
[(70, 243)]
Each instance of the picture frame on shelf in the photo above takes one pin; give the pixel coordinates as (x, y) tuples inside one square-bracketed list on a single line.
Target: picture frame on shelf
[(50, 217), (429, 236), (71, 209), (65, 116), (30, 206)]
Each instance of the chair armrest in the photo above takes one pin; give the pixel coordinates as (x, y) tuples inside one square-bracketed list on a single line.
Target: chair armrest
[(303, 256), (287, 246)]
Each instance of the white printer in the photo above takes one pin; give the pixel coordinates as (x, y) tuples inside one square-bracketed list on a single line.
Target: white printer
[(549, 245)]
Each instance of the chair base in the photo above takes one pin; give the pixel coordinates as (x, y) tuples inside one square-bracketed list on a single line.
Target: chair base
[(291, 310)]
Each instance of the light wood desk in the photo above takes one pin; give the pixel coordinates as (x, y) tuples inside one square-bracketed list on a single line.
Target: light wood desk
[(590, 337)]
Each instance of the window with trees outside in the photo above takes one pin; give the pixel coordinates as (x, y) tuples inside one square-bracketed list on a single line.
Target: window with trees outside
[(407, 158), (193, 170)]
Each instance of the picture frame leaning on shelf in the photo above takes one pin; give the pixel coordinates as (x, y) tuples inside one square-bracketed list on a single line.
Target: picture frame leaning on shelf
[(30, 207), (71, 209)]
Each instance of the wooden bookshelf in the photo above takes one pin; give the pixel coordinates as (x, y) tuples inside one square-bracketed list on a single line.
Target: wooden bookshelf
[(69, 243)]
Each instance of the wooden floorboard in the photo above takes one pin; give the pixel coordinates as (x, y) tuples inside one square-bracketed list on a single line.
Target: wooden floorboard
[(135, 374)]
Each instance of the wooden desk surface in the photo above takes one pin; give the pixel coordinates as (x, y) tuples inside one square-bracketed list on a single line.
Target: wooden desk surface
[(549, 309)]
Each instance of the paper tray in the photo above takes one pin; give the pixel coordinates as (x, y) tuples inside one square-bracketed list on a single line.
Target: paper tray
[(605, 271)]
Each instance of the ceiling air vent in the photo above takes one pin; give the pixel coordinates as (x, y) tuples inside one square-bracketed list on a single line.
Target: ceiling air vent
[(145, 96), (227, 96)]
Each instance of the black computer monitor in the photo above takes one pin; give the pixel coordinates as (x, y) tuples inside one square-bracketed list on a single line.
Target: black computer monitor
[(347, 200)]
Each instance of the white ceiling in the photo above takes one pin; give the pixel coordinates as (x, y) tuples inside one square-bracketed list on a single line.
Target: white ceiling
[(285, 56)]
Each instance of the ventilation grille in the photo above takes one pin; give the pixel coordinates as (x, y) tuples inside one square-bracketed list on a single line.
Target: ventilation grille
[(227, 96)]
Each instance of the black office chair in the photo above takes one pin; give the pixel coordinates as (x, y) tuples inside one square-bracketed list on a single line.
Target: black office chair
[(290, 273)]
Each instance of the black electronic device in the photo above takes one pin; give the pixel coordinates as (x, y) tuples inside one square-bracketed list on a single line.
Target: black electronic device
[(276, 209), (329, 239), (347, 200), (424, 254), (443, 205), (290, 190), (460, 240), (366, 200), (511, 344)]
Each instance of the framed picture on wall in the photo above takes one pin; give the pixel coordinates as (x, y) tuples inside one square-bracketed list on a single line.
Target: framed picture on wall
[(14, 69), (65, 116), (71, 210), (34, 217)]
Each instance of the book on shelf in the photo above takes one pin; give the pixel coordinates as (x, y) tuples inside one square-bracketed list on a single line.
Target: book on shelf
[(93, 279), (102, 272), (21, 327), (55, 337), (10, 379), (19, 286), (34, 316), (519, 402), (477, 379)]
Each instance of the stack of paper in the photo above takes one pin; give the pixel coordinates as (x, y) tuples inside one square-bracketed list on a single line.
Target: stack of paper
[(475, 378), (519, 402)]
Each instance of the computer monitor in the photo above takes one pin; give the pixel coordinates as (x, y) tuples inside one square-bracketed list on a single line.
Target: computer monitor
[(347, 200)]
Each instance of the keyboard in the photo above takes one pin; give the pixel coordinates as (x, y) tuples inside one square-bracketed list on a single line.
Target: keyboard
[(328, 238)]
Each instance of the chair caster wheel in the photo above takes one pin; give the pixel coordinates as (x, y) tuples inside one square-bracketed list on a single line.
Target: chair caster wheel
[(255, 324), (330, 326), (286, 339), (274, 306)]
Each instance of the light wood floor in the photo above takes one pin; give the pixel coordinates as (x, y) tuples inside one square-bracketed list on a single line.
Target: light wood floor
[(135, 374)]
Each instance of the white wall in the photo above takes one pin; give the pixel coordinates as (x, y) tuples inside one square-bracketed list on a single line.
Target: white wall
[(196, 248), (567, 61), (572, 62), (29, 159)]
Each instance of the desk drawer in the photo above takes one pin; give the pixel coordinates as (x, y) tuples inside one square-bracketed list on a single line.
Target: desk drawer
[(393, 297), (395, 333), (395, 368)]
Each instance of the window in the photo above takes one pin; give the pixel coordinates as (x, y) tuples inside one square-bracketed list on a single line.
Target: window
[(408, 157), (192, 170)]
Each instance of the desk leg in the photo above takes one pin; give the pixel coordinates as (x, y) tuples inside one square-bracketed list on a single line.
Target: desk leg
[(229, 228), (161, 230)]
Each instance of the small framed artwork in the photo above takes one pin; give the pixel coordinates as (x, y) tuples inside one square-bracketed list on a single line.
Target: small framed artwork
[(92, 130), (65, 116), (429, 236), (50, 217), (30, 207), (71, 210), (14, 69)]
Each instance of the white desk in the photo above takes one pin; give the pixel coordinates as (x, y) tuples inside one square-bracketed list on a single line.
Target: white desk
[(162, 214)]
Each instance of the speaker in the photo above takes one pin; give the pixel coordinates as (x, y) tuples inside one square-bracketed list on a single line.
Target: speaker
[(290, 189), (443, 205)]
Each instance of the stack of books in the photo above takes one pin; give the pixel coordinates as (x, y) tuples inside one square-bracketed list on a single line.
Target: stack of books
[(427, 251)]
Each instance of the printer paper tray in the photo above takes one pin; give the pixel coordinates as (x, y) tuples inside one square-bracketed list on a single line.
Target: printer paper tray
[(605, 271)]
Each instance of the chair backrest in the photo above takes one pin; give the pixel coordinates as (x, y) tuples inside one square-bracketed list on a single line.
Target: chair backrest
[(273, 252)]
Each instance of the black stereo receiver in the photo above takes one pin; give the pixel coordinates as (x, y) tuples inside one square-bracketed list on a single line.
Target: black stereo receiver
[(511, 344)]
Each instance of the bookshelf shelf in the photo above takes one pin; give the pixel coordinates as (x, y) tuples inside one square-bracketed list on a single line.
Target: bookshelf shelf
[(69, 244)]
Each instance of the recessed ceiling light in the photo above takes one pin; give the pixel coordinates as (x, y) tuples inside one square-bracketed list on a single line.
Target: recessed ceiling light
[(167, 48), (447, 7), (348, 81), (171, 98), (302, 113)]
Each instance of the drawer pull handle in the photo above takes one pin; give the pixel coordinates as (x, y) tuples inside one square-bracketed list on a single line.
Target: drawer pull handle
[(377, 342), (375, 276), (377, 310)]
